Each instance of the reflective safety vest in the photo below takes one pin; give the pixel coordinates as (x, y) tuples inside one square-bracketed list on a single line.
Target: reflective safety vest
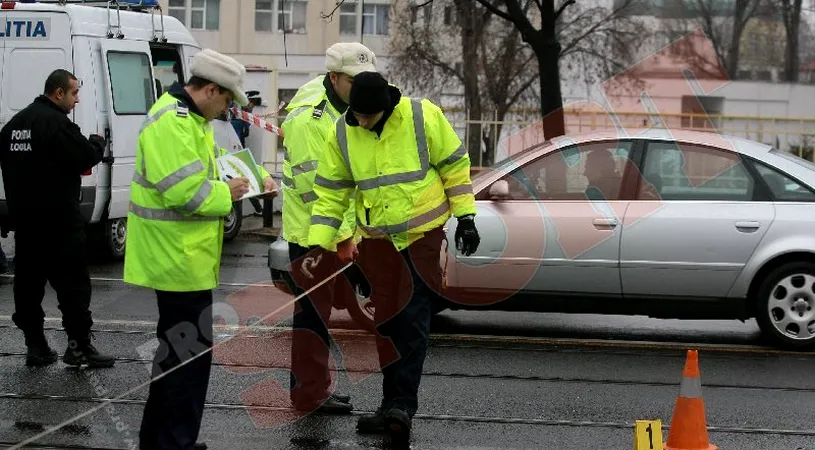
[(309, 122), (409, 180), (177, 204)]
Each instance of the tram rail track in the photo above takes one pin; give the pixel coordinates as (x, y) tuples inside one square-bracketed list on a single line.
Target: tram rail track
[(260, 368), (445, 417)]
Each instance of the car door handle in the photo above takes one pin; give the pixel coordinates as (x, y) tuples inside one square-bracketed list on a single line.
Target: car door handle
[(747, 226), (605, 223)]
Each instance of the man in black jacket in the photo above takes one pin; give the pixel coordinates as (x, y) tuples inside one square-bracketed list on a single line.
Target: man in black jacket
[(43, 155)]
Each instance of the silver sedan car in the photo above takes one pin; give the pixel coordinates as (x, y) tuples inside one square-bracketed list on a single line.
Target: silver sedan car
[(661, 223)]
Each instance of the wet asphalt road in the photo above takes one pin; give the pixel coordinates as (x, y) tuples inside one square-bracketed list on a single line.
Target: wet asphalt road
[(492, 380)]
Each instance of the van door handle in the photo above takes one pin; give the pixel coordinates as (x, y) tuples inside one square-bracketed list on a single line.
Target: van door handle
[(747, 226), (605, 223)]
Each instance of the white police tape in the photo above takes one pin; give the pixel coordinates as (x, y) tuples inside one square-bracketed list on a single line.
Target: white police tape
[(141, 386)]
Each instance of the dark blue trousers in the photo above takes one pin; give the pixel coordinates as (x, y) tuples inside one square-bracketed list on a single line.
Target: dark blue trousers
[(403, 285), (175, 405)]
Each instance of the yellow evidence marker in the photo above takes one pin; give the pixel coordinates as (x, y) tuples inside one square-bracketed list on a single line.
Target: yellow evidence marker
[(648, 435)]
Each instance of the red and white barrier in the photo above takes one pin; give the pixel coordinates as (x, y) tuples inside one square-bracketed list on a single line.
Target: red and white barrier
[(256, 121)]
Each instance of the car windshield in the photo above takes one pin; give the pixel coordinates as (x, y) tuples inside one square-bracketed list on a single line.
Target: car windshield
[(796, 159)]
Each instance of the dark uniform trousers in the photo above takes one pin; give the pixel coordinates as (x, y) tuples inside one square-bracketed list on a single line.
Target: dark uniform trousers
[(58, 257), (403, 285), (311, 342), (175, 405)]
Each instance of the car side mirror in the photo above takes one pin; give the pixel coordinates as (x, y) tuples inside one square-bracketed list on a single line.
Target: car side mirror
[(499, 190)]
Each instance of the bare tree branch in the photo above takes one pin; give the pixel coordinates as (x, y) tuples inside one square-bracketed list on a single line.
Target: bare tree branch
[(540, 5), (517, 59), (613, 14), (523, 88), (495, 10), (563, 8), (331, 14), (724, 28), (791, 14)]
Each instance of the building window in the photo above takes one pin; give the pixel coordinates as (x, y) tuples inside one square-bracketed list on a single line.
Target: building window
[(291, 16), (205, 14), (448, 15), (427, 13), (178, 9), (263, 15), (376, 20), (348, 19), (198, 15)]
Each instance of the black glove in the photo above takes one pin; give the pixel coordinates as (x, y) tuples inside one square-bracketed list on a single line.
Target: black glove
[(467, 238), (358, 280)]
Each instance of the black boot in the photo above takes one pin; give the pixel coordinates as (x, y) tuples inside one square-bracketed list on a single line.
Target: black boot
[(81, 352), (330, 406), (372, 423), (398, 422), (39, 352)]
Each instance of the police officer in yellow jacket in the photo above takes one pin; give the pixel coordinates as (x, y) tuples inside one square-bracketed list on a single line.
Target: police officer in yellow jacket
[(410, 172), (175, 236), (311, 115)]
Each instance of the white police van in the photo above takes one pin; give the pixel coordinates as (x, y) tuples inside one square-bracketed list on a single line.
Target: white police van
[(125, 54)]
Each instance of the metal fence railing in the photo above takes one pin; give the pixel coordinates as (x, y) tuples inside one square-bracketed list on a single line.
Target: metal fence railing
[(794, 135)]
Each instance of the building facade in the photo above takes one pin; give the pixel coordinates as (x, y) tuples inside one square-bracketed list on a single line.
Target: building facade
[(288, 37)]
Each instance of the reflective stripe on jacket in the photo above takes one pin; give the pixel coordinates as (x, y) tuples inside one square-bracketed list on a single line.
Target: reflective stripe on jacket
[(177, 204), (408, 181), (307, 125)]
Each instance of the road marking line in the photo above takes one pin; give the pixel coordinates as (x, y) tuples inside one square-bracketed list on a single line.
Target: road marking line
[(476, 339), (426, 416), (121, 280), (58, 320)]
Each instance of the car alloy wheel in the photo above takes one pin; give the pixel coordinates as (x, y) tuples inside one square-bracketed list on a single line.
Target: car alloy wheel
[(786, 308)]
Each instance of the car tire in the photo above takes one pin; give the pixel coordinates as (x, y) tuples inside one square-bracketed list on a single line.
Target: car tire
[(115, 238), (785, 303), (106, 240), (233, 221)]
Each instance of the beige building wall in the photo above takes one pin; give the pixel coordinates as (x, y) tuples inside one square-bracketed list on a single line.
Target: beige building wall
[(235, 33)]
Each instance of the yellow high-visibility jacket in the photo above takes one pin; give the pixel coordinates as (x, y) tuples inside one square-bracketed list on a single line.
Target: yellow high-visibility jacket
[(177, 202), (409, 180), (307, 125)]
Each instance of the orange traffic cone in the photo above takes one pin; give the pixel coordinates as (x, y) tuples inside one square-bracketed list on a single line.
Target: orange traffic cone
[(688, 427)]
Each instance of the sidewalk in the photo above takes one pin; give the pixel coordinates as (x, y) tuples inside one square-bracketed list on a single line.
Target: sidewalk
[(253, 226)]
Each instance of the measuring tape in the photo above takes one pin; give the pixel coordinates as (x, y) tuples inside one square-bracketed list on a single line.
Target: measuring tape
[(256, 121)]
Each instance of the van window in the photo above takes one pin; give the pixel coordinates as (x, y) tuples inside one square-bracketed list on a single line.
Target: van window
[(24, 74), (131, 82)]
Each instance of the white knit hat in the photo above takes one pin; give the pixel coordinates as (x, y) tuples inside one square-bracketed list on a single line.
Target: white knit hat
[(221, 70), (350, 58)]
